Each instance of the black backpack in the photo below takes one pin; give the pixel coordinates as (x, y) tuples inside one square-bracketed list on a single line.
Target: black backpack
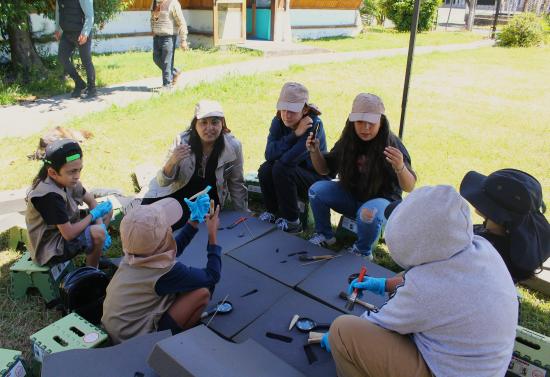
[(83, 292)]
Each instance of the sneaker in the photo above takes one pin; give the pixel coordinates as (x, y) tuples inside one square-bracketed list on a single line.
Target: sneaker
[(78, 88), (175, 77), (268, 217), (289, 227), (320, 240), (353, 249), (90, 93)]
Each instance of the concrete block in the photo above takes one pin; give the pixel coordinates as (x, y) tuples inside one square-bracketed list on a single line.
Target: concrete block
[(277, 320), (199, 352), (13, 201), (125, 359), (272, 255), (329, 280)]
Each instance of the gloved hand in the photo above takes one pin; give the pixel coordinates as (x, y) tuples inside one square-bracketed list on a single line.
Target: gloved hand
[(375, 285), (324, 342), (107, 243), (200, 207), (101, 210)]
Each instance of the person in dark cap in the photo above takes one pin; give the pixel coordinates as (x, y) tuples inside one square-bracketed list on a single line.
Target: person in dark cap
[(56, 231), (510, 202)]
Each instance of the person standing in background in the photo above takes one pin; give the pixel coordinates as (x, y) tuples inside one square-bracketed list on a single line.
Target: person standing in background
[(167, 22), (73, 27)]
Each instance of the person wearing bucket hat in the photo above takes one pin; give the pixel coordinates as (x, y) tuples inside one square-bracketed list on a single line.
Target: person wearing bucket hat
[(206, 154), (454, 312), (511, 204), (288, 171), (152, 290), (373, 167), (57, 233)]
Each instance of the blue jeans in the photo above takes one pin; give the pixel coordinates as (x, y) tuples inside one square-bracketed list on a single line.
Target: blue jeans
[(327, 195), (164, 49)]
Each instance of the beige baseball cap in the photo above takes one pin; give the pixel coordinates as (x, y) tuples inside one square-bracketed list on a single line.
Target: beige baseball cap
[(293, 97), (207, 108), (143, 229), (367, 107)]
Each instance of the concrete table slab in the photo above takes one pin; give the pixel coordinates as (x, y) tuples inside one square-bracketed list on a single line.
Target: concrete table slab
[(277, 320), (200, 352), (128, 359), (230, 239), (250, 292), (328, 281), (272, 255)]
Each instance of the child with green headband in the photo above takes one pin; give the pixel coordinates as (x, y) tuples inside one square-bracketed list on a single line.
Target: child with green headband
[(56, 231)]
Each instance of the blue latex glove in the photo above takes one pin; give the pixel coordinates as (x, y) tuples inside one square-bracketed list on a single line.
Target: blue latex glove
[(375, 285), (101, 210), (107, 243), (200, 207), (324, 342)]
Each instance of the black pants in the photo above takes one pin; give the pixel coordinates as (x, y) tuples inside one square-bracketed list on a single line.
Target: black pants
[(282, 185), (67, 45)]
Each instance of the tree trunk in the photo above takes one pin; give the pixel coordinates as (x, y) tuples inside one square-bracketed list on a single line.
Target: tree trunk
[(23, 53), (471, 15)]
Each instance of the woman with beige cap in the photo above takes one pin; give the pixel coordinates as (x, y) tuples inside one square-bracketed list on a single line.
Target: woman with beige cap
[(151, 290), (205, 154), (373, 167), (288, 171)]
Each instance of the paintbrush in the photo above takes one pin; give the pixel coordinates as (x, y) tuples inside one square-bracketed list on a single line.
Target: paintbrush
[(315, 337), (321, 260), (353, 296), (366, 305), (205, 191), (306, 258)]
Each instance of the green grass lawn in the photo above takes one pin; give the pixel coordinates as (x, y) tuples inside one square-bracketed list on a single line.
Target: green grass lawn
[(375, 38), (116, 68), (482, 109)]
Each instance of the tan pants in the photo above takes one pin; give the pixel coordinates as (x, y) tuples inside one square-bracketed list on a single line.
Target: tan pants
[(361, 348)]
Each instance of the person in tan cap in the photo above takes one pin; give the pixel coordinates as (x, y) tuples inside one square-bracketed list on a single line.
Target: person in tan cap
[(288, 171), (206, 154), (373, 167), (151, 290)]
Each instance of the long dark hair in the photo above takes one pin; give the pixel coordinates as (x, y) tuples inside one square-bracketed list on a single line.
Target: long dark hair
[(196, 145), (377, 174), (42, 174)]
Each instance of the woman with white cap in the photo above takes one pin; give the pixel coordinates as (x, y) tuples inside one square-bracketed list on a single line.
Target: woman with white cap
[(206, 154), (288, 171), (373, 167)]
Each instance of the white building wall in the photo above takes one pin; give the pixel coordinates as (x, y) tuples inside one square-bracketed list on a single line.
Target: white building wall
[(324, 17)]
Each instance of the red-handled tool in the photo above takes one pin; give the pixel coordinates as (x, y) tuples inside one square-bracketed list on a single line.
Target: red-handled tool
[(353, 296)]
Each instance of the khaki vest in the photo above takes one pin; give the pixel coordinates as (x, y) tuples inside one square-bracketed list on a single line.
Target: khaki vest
[(45, 240), (162, 23), (132, 306)]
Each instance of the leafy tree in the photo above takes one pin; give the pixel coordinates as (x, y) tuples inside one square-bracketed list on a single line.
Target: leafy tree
[(15, 26), (374, 9), (400, 12)]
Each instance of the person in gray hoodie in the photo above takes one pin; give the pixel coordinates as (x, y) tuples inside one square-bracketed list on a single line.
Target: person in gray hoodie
[(453, 313)]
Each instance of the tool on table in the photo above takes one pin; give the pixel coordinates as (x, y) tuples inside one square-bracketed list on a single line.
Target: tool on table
[(321, 260), (223, 307), (353, 296), (315, 337), (295, 318), (297, 253), (234, 223), (311, 358), (305, 324), (316, 257), (366, 305), (249, 293), (282, 338)]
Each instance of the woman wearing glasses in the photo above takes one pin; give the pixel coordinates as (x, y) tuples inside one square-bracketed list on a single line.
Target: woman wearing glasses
[(206, 154)]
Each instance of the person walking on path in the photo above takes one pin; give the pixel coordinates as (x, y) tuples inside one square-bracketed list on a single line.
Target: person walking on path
[(73, 29), (167, 22)]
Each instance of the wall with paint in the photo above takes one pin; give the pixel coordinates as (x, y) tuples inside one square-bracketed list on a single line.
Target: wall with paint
[(345, 22)]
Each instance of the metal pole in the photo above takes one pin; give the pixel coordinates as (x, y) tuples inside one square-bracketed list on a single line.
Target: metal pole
[(495, 21), (412, 40), (449, 16)]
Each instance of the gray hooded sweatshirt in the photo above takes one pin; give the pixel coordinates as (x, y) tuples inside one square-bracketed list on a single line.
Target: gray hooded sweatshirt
[(458, 301)]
